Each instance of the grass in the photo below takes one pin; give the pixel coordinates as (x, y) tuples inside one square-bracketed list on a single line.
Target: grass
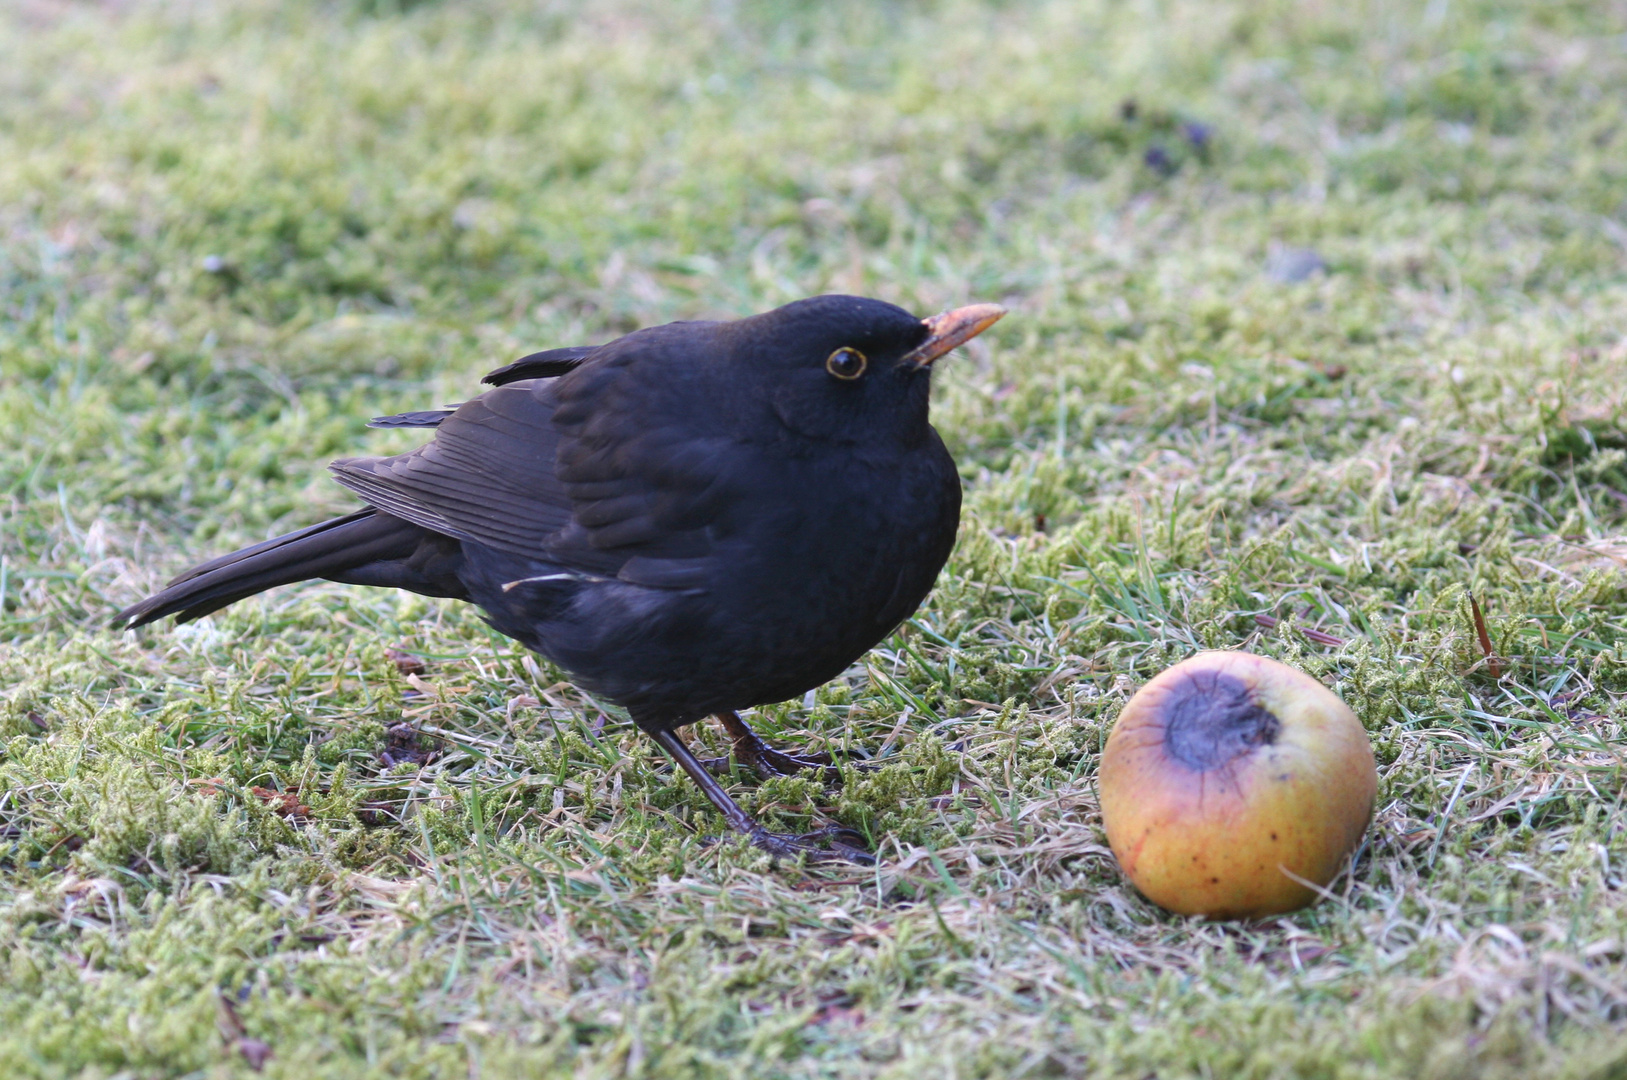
[(231, 232)]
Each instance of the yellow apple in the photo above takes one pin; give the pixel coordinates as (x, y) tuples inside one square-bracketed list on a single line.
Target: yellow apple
[(1230, 782)]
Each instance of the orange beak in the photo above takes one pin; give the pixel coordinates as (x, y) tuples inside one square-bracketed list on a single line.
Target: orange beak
[(953, 328)]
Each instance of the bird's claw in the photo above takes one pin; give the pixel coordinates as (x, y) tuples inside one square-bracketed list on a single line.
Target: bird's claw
[(769, 763), (845, 845)]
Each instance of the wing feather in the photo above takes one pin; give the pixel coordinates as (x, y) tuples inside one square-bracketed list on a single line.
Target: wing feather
[(569, 472), (421, 418), (488, 476), (548, 364)]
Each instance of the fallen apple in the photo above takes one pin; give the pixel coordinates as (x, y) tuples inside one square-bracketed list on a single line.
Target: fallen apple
[(1233, 786)]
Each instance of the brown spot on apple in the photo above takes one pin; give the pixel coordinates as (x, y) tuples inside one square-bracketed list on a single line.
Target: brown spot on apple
[(1211, 718)]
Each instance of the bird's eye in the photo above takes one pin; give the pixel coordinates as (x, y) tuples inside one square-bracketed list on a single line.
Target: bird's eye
[(846, 364)]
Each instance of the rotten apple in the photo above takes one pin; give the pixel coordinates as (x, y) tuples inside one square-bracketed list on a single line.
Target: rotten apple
[(1234, 787)]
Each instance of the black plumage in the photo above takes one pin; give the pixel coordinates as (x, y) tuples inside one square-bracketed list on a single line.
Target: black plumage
[(692, 519)]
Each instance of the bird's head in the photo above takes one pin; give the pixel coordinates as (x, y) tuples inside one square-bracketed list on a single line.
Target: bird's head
[(851, 369)]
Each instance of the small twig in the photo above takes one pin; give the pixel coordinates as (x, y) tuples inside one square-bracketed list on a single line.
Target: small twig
[(255, 1052), (1492, 664), (1321, 637)]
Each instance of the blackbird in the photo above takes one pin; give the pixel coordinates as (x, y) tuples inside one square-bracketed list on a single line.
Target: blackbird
[(692, 519)]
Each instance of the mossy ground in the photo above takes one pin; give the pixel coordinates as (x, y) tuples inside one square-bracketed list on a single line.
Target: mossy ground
[(231, 232)]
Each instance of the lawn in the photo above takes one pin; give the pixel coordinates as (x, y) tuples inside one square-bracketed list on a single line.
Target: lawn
[(1317, 346)]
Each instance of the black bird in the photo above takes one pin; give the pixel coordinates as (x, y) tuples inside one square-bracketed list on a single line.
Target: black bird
[(692, 519)]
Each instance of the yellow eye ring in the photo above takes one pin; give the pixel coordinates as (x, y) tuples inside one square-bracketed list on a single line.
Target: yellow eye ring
[(846, 363)]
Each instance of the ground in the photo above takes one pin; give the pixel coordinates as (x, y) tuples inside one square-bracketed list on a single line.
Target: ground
[(1318, 349)]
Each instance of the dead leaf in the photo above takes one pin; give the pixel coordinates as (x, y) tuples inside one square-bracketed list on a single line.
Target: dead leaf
[(405, 662), (285, 803)]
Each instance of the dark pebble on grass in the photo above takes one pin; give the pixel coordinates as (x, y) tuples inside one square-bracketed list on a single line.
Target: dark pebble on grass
[(1199, 135), (1292, 265)]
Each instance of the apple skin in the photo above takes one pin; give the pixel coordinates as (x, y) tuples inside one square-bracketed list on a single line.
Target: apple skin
[(1224, 771)]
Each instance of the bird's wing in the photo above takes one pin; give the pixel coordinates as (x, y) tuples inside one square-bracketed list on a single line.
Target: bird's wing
[(590, 477), (541, 365), (487, 477), (648, 478)]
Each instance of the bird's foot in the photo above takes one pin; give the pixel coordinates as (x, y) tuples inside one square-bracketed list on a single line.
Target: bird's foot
[(768, 762), (772, 762), (833, 843)]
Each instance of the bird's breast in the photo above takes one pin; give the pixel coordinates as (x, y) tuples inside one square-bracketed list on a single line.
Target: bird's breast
[(846, 545)]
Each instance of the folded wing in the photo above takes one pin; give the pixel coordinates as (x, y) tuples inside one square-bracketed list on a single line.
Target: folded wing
[(583, 485), (487, 477)]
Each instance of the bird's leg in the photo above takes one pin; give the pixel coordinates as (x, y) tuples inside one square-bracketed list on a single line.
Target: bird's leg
[(762, 759), (845, 844)]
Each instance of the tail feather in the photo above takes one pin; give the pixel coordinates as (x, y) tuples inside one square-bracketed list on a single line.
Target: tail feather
[(326, 550)]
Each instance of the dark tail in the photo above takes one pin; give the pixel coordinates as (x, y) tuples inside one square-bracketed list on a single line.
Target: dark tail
[(365, 548)]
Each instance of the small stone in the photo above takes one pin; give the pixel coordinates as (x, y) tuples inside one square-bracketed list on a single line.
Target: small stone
[(1291, 265), (1198, 135)]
